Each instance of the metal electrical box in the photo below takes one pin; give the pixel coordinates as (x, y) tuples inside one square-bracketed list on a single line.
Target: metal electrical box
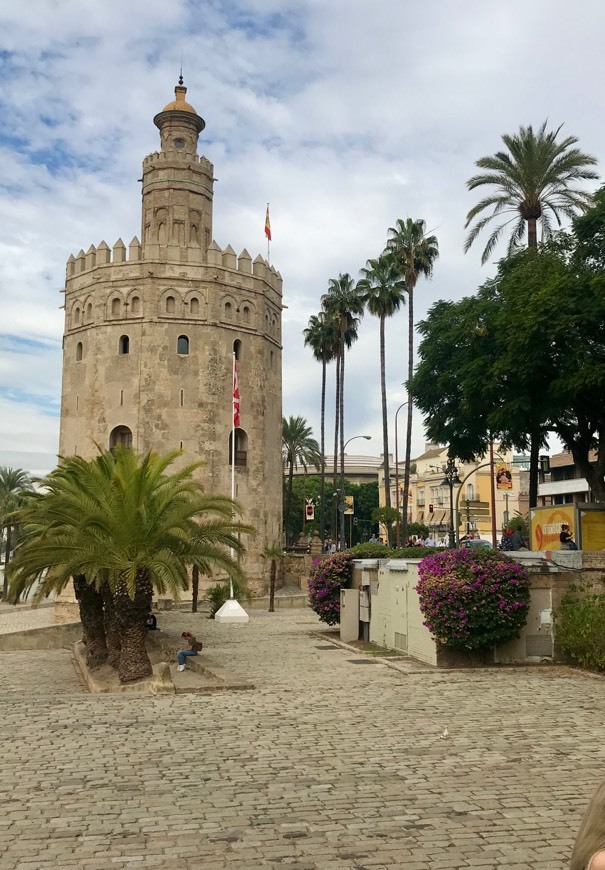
[(349, 614)]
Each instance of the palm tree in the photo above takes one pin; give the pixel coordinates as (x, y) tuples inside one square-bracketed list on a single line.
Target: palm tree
[(273, 553), (298, 448), (535, 180), (14, 484), (345, 301), (385, 293), (415, 254), (130, 526), (321, 335)]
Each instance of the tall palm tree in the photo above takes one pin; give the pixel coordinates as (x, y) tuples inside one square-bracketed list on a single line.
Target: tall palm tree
[(321, 335), (345, 301), (129, 525), (385, 292), (14, 484), (298, 448), (415, 254), (534, 180)]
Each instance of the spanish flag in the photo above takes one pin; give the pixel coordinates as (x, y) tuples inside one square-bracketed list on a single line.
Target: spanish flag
[(268, 224)]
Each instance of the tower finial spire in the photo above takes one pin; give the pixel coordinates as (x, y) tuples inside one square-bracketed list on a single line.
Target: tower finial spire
[(181, 73)]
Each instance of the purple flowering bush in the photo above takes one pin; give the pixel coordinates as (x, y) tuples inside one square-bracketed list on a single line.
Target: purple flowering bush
[(473, 599), (328, 576)]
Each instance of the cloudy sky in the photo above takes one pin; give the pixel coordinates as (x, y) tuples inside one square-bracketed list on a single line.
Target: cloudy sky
[(345, 114)]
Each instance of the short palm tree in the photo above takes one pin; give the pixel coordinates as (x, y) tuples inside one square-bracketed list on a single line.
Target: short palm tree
[(14, 484), (415, 254), (128, 525), (298, 448), (534, 180), (384, 289), (274, 554), (322, 336), (345, 302)]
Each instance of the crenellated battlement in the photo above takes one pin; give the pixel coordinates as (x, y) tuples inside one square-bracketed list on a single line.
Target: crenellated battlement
[(226, 258), (161, 158)]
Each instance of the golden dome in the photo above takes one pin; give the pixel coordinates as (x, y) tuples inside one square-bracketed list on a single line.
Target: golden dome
[(179, 104)]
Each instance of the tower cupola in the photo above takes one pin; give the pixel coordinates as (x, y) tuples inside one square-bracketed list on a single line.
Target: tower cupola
[(179, 124)]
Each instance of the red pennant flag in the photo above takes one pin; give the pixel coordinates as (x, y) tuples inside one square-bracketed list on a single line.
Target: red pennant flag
[(236, 420), (268, 224)]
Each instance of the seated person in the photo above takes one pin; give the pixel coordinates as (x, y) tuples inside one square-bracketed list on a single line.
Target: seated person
[(152, 622), (192, 650)]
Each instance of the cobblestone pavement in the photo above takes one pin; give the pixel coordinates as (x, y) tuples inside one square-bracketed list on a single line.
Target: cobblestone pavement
[(21, 618), (327, 765)]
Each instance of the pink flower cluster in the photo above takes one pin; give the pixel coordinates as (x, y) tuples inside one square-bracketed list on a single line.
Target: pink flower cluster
[(329, 574), (473, 599)]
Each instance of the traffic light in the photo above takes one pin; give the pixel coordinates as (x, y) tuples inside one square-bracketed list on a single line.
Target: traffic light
[(310, 512), (544, 464), (430, 508)]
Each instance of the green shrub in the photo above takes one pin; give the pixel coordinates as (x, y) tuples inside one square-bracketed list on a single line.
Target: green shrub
[(579, 626), (377, 551), (219, 593), (473, 599)]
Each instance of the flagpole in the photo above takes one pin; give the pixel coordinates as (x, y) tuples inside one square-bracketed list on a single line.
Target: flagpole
[(232, 454)]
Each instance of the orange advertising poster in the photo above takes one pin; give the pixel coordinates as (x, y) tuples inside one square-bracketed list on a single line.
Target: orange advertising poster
[(546, 525), (504, 478)]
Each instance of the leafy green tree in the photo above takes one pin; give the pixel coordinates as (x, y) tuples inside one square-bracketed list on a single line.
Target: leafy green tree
[(415, 254), (385, 292), (386, 516), (14, 484), (129, 525), (344, 302), (534, 180), (308, 486), (298, 448), (322, 336)]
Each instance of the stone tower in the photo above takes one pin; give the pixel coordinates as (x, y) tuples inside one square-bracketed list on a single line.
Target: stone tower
[(150, 333)]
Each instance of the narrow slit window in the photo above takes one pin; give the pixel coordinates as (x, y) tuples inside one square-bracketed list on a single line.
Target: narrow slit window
[(182, 398), (79, 351), (121, 397)]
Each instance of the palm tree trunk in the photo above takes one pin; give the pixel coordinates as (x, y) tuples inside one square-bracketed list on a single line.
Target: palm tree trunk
[(90, 603), (335, 474), (131, 616), (272, 576), (341, 498), (7, 558), (408, 438), (195, 587), (532, 233), (112, 632), (385, 422), (322, 507)]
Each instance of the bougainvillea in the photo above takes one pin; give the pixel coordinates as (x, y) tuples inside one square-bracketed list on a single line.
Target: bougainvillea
[(328, 576), (473, 599)]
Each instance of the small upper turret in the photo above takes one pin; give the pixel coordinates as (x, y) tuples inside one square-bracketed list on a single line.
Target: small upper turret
[(179, 124)]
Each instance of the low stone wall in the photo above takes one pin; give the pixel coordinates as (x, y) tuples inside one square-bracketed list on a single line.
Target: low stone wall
[(48, 637)]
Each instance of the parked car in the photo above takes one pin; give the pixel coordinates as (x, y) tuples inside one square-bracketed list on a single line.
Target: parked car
[(475, 544)]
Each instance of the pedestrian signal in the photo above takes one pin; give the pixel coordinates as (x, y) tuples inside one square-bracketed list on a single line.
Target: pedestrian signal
[(430, 508)]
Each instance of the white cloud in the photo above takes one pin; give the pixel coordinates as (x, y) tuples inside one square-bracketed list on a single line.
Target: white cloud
[(345, 115)]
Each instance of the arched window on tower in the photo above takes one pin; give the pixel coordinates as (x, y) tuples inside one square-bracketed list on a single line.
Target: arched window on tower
[(89, 311), (182, 345), (79, 351), (194, 306), (241, 448), (237, 349), (77, 316), (246, 314), (228, 311), (135, 305), (170, 305), (115, 307), (124, 344), (121, 436)]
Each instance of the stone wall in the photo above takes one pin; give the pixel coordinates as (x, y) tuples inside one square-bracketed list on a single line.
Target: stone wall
[(48, 637)]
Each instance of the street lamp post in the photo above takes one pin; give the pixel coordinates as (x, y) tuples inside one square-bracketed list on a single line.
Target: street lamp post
[(405, 501), (451, 480), (342, 505)]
